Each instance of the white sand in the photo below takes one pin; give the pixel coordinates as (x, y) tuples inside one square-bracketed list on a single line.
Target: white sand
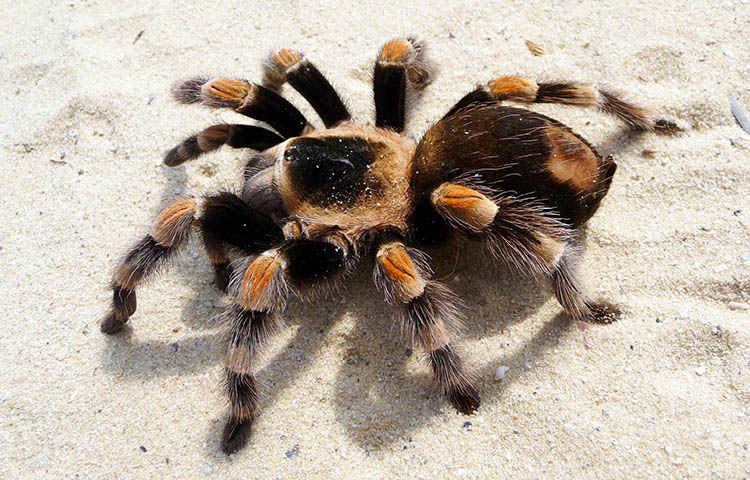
[(664, 393)]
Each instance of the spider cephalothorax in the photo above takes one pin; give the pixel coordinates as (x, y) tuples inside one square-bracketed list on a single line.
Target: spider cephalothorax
[(315, 200)]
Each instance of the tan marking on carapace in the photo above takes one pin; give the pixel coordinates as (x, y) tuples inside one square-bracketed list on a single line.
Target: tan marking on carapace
[(404, 277), (395, 51), (571, 160), (229, 90), (287, 58), (173, 220), (514, 88), (259, 277), (307, 130), (464, 204)]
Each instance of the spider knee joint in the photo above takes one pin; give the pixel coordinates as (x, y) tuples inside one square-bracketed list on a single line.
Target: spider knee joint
[(262, 287), (174, 222), (400, 276), (464, 206)]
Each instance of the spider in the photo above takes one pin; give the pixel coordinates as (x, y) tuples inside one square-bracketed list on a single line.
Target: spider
[(316, 200)]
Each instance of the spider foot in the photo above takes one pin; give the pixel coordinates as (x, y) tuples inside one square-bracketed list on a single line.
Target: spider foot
[(465, 398), (603, 313), (111, 324), (236, 433), (666, 127)]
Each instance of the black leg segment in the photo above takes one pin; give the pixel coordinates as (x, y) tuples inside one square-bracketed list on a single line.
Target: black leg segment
[(213, 137), (402, 68), (245, 98), (287, 65)]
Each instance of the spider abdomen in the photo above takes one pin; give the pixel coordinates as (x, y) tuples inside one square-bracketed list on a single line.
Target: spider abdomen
[(514, 151)]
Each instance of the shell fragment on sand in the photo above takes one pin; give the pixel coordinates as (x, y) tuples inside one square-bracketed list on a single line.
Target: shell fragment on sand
[(739, 115)]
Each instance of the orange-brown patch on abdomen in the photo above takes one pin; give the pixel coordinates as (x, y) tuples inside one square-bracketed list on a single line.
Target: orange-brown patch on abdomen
[(571, 160)]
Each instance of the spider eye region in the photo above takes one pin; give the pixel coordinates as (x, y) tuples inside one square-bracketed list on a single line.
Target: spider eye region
[(328, 170)]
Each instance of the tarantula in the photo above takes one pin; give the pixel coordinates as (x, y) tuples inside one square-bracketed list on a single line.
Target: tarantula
[(315, 200)]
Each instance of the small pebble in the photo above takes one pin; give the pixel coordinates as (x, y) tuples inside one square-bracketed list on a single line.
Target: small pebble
[(534, 48), (727, 51), (467, 425), (500, 372), (408, 352), (300, 356), (700, 370), (294, 452), (739, 115), (175, 346), (668, 449), (143, 449)]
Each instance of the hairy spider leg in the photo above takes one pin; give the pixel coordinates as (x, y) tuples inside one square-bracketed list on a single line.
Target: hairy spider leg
[(170, 231), (213, 137), (229, 223), (429, 314), (259, 288), (246, 98), (289, 66), (526, 90), (225, 221), (402, 68), (524, 235)]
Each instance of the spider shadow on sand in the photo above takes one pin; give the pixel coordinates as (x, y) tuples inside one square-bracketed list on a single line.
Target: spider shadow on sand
[(375, 398), (381, 403)]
